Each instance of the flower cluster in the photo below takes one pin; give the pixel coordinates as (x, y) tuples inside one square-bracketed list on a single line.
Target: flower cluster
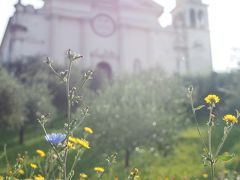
[(56, 164), (214, 99), (73, 141), (210, 157)]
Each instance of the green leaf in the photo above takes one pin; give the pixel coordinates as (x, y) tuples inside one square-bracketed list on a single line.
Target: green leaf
[(199, 107), (226, 157)]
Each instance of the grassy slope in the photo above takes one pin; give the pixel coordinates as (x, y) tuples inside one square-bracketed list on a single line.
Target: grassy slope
[(184, 162)]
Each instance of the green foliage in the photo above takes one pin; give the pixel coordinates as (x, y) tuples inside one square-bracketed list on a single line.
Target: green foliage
[(140, 110), (12, 101), (38, 101)]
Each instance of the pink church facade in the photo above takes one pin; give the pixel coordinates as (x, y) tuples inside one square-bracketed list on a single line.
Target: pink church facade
[(123, 35)]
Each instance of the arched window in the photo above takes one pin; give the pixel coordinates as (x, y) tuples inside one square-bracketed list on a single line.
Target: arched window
[(192, 18), (201, 18), (105, 68)]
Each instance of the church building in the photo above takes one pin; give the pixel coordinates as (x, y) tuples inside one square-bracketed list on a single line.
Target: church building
[(119, 36)]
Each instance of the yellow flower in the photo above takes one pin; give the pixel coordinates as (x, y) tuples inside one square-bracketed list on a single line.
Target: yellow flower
[(34, 166), (212, 99), (21, 171), (83, 176), (39, 177), (72, 139), (40, 153), (84, 143), (1, 178), (88, 130), (205, 175), (99, 169), (230, 118), (71, 145)]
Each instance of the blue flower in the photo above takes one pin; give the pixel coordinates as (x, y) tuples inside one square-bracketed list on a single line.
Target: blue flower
[(55, 138)]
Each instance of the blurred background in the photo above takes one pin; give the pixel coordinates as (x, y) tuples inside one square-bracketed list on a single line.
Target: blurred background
[(144, 55)]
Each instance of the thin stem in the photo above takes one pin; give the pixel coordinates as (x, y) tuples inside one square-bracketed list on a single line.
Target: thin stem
[(55, 72), (75, 161), (226, 133), (6, 157), (197, 124), (80, 121), (69, 103), (210, 131), (212, 170), (210, 126), (109, 165), (210, 140)]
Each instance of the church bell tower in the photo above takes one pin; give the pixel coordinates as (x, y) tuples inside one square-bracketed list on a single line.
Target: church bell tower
[(192, 37)]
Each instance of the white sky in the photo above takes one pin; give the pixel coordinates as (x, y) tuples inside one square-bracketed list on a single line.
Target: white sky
[(223, 20)]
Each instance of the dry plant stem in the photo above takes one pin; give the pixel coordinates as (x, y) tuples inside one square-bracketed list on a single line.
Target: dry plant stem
[(6, 157), (74, 163), (55, 72), (109, 166), (81, 121), (195, 118), (225, 135), (69, 102)]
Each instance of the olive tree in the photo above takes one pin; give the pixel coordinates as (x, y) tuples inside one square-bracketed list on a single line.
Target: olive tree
[(12, 101), (146, 109)]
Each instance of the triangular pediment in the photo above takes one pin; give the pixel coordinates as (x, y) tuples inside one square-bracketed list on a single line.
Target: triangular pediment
[(144, 3), (141, 4)]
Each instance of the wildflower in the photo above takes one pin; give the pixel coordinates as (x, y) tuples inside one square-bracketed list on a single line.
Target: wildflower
[(205, 175), (230, 118), (33, 166), (99, 169), (1, 178), (21, 171), (134, 172), (20, 159), (88, 130), (72, 139), (71, 145), (212, 99), (39, 177), (40, 153), (73, 55), (84, 143), (83, 176), (55, 138)]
